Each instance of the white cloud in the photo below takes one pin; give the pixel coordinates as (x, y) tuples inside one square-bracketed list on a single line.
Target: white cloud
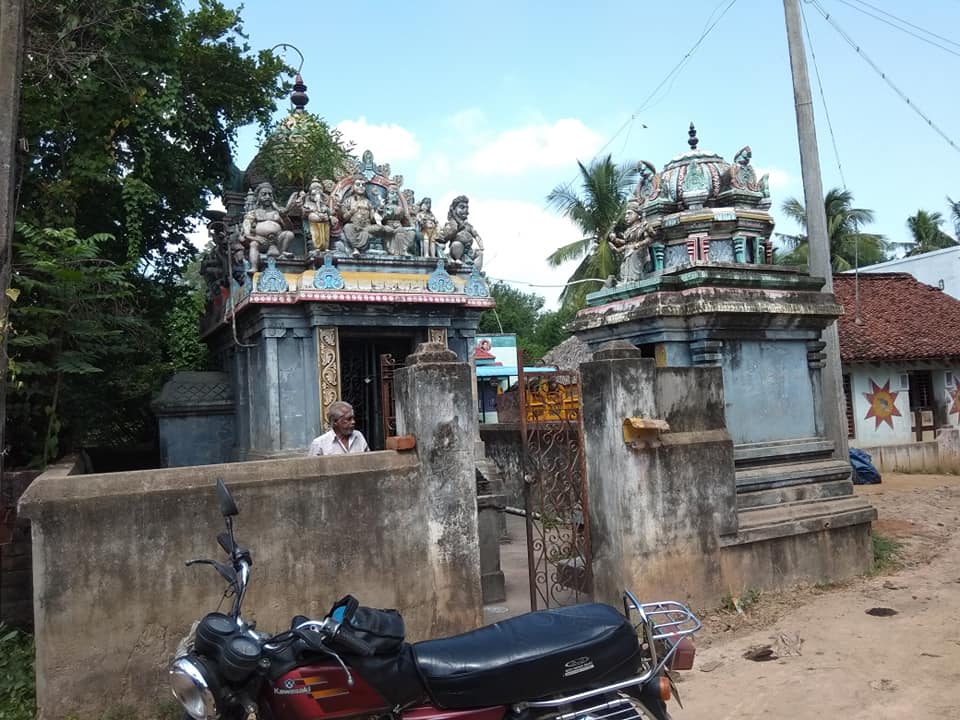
[(388, 143), (517, 238), (534, 147), (469, 123), (433, 171)]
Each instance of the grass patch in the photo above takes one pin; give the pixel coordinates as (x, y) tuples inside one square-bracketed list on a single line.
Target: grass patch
[(886, 554), (17, 694), (743, 602)]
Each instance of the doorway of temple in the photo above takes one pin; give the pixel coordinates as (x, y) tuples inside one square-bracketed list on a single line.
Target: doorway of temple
[(360, 377)]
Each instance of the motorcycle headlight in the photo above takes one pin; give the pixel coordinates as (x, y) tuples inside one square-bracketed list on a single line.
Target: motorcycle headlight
[(192, 687)]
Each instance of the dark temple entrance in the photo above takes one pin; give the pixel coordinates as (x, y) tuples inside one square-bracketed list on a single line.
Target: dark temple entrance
[(360, 378)]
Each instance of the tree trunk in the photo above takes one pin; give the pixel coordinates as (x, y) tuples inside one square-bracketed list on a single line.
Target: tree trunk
[(11, 45)]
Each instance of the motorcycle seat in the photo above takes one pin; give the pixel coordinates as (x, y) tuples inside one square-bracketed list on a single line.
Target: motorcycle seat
[(541, 653)]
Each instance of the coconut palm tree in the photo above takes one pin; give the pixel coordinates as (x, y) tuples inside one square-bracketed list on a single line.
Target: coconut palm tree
[(605, 189), (925, 230), (848, 246), (955, 214)]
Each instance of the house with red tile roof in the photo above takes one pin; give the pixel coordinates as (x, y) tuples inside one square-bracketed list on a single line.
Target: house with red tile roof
[(900, 353)]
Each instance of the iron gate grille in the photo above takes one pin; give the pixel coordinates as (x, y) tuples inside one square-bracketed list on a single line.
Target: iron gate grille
[(555, 497)]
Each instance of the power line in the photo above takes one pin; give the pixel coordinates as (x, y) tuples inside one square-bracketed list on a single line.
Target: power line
[(708, 28), (882, 74), (903, 22)]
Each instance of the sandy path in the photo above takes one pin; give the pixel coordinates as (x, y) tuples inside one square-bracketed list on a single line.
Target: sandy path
[(851, 664)]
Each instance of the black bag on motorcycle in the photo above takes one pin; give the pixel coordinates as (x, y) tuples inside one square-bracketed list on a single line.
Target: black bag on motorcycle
[(383, 630)]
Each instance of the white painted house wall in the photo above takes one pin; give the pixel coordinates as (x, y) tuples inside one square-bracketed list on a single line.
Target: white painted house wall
[(868, 432)]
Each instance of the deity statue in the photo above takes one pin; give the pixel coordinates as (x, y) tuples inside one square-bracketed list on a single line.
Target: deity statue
[(360, 232), (462, 241), (263, 227), (316, 217), (356, 199), (427, 223), (401, 239), (633, 243)]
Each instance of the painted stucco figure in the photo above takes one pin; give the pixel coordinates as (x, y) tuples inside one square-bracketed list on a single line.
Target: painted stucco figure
[(428, 225), (316, 217), (400, 238), (462, 241), (264, 227)]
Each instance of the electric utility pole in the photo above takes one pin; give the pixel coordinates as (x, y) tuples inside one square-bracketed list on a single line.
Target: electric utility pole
[(11, 44), (834, 418)]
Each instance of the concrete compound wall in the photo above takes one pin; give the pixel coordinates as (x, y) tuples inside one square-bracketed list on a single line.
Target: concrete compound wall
[(930, 456), (112, 597)]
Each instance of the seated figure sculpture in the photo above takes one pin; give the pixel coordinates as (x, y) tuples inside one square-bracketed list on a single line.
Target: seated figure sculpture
[(263, 227), (401, 239), (462, 241)]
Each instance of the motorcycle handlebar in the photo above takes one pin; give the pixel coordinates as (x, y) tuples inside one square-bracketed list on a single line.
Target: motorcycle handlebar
[(352, 643), (331, 630)]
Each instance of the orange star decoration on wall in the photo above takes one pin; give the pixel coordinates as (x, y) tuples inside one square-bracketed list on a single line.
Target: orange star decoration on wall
[(883, 407), (955, 397)]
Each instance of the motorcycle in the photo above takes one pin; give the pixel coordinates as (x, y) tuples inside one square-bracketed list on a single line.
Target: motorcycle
[(583, 662)]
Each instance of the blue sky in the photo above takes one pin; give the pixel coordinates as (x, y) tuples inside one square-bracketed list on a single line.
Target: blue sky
[(498, 100)]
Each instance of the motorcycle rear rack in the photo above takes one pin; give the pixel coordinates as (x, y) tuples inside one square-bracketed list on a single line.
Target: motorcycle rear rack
[(619, 708), (667, 622)]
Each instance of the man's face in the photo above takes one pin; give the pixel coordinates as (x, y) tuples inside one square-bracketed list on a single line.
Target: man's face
[(359, 186), (265, 197), (345, 424), (461, 211)]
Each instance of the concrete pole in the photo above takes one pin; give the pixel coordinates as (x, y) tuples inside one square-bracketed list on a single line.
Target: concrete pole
[(834, 416), (11, 46)]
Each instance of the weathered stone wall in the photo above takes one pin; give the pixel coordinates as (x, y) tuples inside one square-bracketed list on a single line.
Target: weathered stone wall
[(434, 406), (504, 446), (112, 596), (657, 512), (16, 586)]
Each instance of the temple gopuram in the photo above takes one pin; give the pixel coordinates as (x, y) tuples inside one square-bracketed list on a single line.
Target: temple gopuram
[(315, 297)]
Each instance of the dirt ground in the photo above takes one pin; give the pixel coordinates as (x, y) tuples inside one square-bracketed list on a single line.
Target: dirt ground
[(831, 658)]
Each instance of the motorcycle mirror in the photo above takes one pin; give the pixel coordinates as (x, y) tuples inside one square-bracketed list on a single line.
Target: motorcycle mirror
[(228, 508)]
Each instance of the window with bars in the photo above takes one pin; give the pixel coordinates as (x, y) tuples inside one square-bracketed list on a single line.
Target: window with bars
[(921, 391), (848, 398)]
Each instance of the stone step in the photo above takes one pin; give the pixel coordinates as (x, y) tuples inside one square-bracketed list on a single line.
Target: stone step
[(748, 499), (798, 518), (781, 451), (794, 473)]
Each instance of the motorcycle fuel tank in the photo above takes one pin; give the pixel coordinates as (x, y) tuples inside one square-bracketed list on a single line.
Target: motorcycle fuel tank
[(321, 691)]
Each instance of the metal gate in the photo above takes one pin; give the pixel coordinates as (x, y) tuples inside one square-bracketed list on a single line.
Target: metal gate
[(555, 494)]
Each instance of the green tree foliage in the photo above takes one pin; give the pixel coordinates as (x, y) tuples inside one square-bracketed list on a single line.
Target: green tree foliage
[(954, 215), (926, 233), (299, 148), (596, 211), (521, 313), (17, 701), (74, 319), (130, 109), (848, 245)]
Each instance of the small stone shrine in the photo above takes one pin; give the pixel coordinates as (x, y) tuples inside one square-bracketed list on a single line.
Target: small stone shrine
[(317, 297), (697, 289)]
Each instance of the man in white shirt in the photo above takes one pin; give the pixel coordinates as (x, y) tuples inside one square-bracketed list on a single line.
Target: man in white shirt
[(341, 438)]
